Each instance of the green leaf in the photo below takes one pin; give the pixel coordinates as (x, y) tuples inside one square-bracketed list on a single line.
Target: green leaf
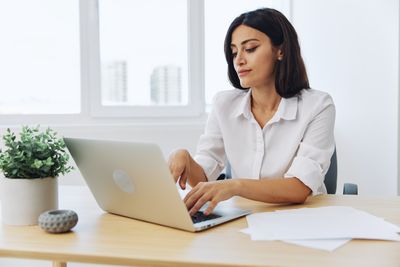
[(35, 154), (37, 164)]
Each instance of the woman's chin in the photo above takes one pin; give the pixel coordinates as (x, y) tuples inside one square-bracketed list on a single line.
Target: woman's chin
[(244, 84)]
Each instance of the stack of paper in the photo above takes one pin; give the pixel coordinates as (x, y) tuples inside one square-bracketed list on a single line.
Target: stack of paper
[(324, 228)]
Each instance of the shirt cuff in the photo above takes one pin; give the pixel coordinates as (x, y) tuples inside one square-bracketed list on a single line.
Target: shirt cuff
[(210, 167), (308, 171)]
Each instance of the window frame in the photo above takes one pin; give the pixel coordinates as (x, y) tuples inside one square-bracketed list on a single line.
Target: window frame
[(91, 47), (92, 112)]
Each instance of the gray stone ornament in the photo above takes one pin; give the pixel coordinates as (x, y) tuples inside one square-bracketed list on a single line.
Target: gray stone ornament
[(58, 221)]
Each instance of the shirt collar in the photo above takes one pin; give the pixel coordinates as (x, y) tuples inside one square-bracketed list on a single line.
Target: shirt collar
[(244, 107), (287, 108)]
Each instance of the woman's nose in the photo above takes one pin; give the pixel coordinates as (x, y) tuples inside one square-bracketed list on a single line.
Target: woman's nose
[(239, 60)]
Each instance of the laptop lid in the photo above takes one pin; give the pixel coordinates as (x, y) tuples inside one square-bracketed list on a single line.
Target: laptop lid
[(133, 180)]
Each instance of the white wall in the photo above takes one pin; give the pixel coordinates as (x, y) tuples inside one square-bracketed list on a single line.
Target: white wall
[(169, 137), (351, 50)]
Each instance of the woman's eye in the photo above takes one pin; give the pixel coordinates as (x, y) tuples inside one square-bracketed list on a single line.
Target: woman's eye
[(234, 54), (251, 50)]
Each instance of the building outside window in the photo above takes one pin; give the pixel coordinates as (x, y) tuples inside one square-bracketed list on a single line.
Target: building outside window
[(166, 85)]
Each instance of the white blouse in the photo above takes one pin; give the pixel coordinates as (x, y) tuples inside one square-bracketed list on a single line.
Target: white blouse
[(298, 141)]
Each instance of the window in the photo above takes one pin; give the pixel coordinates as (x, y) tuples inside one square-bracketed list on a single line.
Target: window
[(39, 51), (143, 52), (115, 58), (145, 55), (216, 78)]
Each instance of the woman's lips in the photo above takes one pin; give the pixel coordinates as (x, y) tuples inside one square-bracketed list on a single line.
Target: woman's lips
[(243, 73)]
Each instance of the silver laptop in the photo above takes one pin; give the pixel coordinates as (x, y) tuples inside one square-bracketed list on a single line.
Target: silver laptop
[(133, 180)]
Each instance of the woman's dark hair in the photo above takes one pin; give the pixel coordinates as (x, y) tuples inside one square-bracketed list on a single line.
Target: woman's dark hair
[(290, 72)]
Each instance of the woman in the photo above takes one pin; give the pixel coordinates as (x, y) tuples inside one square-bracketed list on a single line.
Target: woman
[(275, 131)]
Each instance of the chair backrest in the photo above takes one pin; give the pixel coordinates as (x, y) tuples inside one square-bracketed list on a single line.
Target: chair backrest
[(330, 180), (331, 176)]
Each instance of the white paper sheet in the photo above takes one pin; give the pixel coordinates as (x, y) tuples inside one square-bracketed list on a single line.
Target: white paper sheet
[(322, 244), (324, 228), (320, 223)]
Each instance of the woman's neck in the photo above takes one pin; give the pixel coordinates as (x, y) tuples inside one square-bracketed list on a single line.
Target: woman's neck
[(265, 99)]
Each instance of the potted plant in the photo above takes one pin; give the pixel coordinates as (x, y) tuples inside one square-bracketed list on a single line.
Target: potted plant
[(31, 166)]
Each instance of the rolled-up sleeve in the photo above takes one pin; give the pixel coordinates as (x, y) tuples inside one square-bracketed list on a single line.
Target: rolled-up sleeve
[(312, 159), (210, 153)]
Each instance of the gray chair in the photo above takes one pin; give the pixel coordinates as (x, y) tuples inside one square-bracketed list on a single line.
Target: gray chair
[(330, 178)]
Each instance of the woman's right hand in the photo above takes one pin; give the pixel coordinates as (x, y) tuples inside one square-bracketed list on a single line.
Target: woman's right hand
[(179, 166)]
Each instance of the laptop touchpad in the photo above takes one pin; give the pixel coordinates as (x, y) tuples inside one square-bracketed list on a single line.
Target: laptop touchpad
[(123, 181)]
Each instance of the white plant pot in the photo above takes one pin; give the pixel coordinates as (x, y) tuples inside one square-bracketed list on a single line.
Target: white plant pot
[(23, 200)]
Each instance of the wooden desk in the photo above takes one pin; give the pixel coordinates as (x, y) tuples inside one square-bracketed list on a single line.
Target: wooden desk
[(109, 239)]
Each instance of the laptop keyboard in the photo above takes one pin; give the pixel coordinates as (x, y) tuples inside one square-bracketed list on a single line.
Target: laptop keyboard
[(201, 217)]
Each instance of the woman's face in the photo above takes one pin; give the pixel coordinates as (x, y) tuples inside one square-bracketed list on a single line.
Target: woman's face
[(254, 57)]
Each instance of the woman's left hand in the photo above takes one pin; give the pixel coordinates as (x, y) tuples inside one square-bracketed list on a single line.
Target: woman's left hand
[(214, 192)]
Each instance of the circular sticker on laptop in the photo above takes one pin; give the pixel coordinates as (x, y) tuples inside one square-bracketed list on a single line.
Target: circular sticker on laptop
[(123, 181)]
